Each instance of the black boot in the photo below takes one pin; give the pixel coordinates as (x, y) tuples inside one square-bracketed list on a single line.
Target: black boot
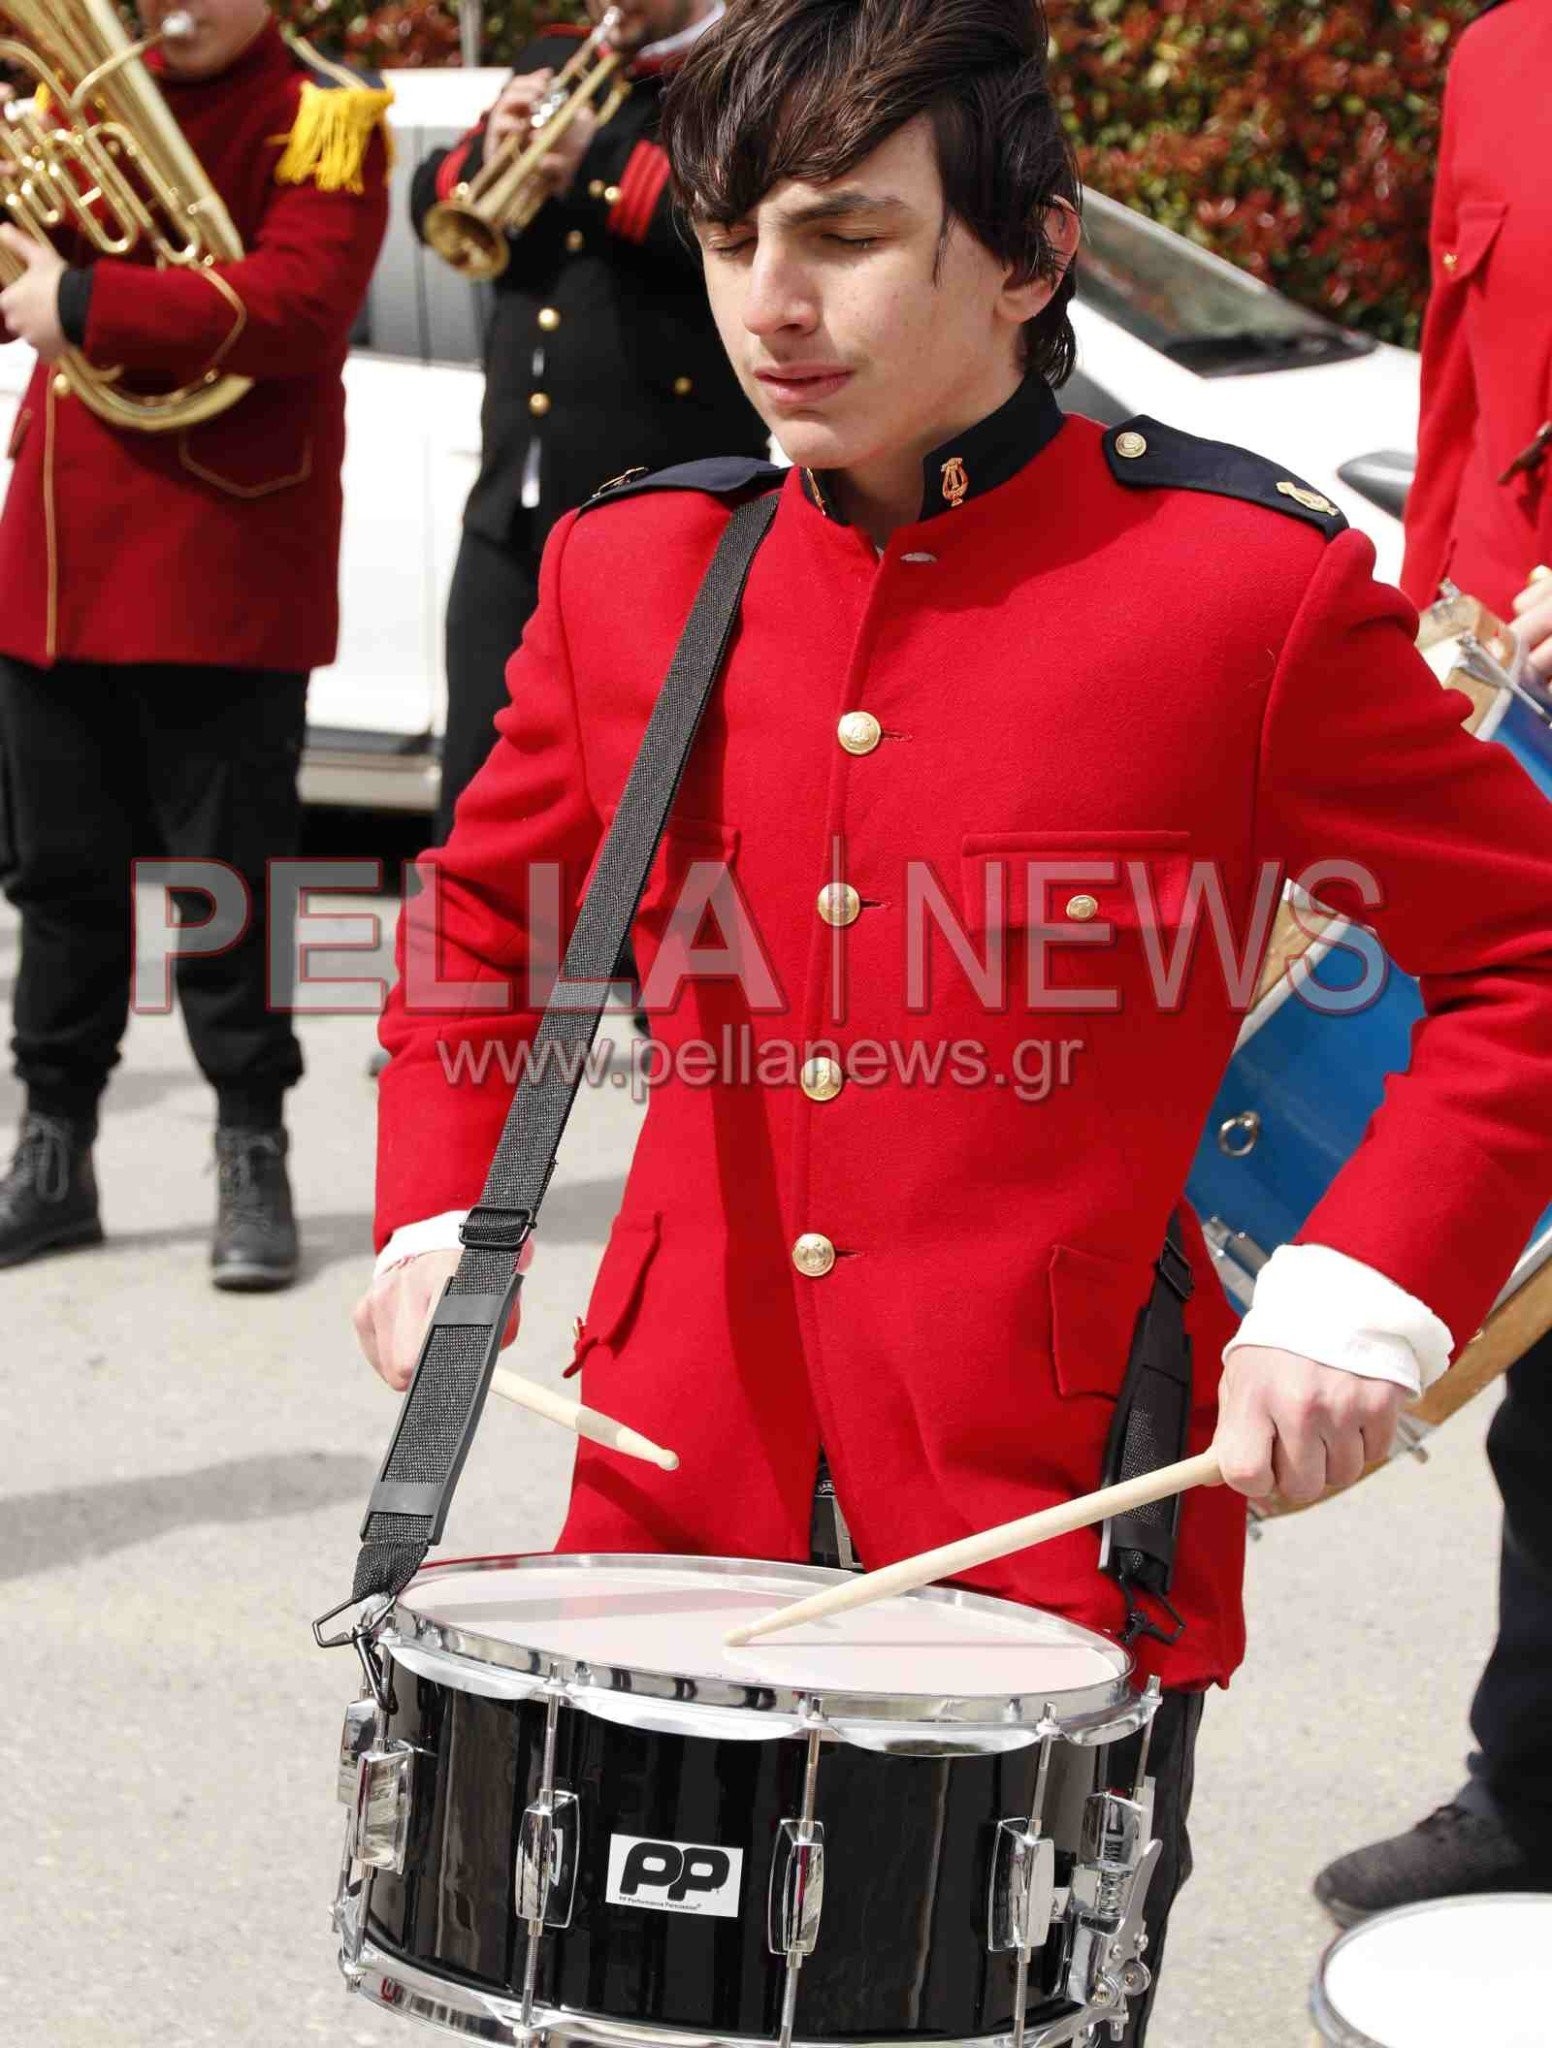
[(255, 1246), (48, 1199), (1452, 1852)]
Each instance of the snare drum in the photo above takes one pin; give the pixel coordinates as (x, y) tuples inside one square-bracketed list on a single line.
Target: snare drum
[(1440, 1975), (576, 1812)]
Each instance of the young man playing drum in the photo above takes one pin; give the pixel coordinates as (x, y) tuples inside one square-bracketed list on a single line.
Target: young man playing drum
[(1007, 690)]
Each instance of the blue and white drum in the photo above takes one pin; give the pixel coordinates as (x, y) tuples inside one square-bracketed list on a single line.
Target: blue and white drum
[(1309, 1072)]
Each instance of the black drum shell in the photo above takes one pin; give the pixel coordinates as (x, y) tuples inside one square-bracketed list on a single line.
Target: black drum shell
[(909, 1850)]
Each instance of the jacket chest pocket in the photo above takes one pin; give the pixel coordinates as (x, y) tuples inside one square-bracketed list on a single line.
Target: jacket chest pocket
[(1084, 921)]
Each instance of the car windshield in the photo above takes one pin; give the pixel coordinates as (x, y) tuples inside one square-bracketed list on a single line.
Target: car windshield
[(1192, 306)]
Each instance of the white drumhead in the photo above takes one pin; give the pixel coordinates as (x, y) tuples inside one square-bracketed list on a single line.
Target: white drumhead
[(1435, 1975), (669, 1616)]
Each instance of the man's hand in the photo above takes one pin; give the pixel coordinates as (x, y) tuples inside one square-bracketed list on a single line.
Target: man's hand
[(1294, 1429), (511, 116), (390, 1318), (1533, 621), (30, 306)]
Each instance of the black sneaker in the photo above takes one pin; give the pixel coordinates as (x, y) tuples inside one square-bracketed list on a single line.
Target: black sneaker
[(255, 1246), (48, 1199), (1453, 1851)]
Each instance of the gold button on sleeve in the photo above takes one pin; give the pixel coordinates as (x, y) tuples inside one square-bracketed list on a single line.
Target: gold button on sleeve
[(813, 1255), (549, 320), (821, 1080), (1082, 908), (839, 904), (539, 404), (859, 732), (1449, 259)]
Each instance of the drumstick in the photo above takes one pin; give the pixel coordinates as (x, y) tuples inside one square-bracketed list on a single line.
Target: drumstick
[(597, 1427), (951, 1559)]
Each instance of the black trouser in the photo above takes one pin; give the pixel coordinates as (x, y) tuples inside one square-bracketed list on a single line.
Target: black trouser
[(1511, 1716), (494, 591), (107, 764)]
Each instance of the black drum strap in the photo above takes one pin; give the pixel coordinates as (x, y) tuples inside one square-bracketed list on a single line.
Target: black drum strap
[(441, 1411), (1149, 1431)]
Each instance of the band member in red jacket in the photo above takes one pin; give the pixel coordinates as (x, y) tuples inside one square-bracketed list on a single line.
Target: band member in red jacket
[(163, 597), (1008, 693), (1480, 513)]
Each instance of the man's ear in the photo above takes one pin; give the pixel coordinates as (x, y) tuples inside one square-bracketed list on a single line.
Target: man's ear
[(1064, 231)]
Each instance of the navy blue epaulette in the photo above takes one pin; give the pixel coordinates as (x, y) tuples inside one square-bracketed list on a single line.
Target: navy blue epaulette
[(1148, 456), (722, 476)]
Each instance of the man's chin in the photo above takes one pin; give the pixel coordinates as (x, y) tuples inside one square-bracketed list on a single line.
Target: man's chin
[(815, 444)]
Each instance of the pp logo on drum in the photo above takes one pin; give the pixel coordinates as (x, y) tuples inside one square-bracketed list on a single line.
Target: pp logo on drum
[(674, 1877)]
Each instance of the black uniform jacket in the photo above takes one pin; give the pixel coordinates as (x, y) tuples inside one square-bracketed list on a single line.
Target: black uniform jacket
[(602, 353)]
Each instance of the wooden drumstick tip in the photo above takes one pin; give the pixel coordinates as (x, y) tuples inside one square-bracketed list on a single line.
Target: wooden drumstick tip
[(591, 1423)]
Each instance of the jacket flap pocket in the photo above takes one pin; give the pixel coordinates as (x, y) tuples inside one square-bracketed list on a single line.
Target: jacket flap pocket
[(617, 1288), (1066, 879), (1476, 230), (1095, 1302)]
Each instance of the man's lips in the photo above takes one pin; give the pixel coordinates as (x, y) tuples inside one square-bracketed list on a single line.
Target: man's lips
[(804, 383)]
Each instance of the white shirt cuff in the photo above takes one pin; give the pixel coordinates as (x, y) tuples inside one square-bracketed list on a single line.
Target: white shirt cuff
[(435, 1234), (1323, 1305)]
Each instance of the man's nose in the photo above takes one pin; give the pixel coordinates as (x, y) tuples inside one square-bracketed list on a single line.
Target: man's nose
[(779, 298)]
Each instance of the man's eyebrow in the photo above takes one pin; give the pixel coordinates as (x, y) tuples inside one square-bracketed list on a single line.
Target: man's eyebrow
[(844, 204), (837, 205)]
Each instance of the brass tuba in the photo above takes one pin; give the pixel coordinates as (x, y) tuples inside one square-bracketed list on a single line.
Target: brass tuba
[(97, 159), (470, 229)]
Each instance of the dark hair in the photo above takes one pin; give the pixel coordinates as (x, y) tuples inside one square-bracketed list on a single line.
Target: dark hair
[(805, 89)]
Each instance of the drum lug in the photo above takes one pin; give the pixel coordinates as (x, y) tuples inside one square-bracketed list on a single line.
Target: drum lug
[(547, 1860), (797, 1888), (380, 1826), (362, 1721), (1109, 1892), (1022, 1900)]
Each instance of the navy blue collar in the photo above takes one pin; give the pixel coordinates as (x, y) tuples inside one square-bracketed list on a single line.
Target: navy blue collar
[(974, 462)]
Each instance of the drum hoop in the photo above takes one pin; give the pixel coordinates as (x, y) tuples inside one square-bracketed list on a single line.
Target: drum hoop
[(1325, 2015), (487, 2016), (1092, 1711)]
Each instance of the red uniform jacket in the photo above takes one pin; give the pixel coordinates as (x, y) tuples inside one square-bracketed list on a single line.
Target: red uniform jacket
[(218, 544), (1067, 670), (1487, 341)]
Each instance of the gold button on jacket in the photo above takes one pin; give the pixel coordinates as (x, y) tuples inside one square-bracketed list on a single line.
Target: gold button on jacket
[(539, 404), (839, 904), (860, 732), (822, 1080), (549, 319), (813, 1255)]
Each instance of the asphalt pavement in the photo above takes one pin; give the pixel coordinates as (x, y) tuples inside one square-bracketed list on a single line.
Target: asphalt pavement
[(184, 1476)]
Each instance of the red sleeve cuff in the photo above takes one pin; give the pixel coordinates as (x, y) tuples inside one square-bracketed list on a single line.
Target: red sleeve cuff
[(642, 184)]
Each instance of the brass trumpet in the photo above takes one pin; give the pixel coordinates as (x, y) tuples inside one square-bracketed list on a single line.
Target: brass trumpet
[(469, 230), (102, 162)]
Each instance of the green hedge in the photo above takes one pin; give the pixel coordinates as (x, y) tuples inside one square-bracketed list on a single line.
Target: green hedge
[(1296, 139)]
